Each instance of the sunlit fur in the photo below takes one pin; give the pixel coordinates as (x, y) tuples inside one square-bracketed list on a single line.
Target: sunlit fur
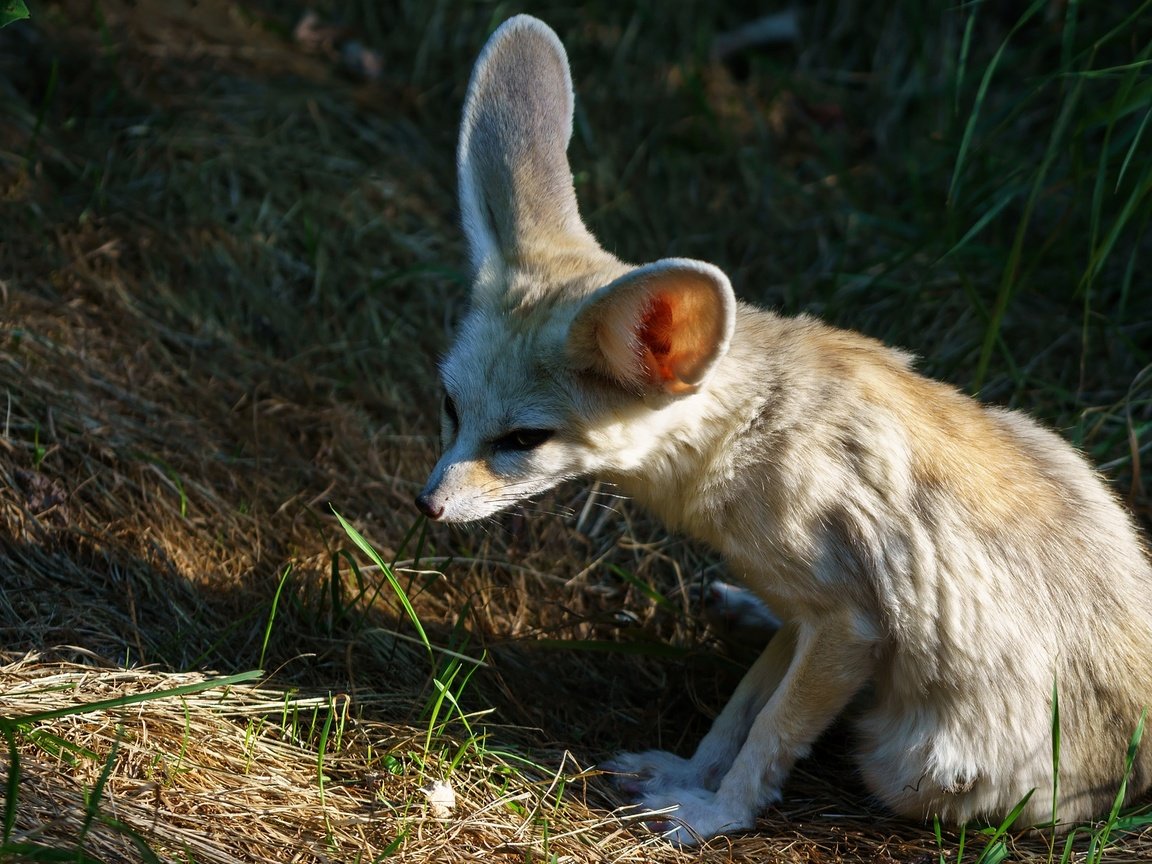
[(961, 560)]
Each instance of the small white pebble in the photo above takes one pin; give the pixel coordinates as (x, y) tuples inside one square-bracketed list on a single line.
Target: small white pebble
[(441, 798)]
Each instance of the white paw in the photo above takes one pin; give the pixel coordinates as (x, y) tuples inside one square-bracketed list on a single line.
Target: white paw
[(736, 614), (696, 815), (651, 772)]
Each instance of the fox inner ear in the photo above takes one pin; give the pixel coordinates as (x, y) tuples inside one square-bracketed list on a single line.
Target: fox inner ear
[(660, 327)]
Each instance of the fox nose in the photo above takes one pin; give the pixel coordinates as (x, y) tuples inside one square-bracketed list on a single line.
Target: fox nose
[(424, 505)]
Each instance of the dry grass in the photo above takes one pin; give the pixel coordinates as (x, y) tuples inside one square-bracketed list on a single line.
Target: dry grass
[(225, 274)]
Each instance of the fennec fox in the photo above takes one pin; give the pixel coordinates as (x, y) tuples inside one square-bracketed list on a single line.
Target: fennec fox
[(959, 559)]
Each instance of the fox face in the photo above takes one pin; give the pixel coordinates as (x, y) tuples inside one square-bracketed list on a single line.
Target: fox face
[(571, 380), (506, 431)]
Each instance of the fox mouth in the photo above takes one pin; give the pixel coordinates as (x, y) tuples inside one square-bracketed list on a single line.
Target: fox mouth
[(441, 505)]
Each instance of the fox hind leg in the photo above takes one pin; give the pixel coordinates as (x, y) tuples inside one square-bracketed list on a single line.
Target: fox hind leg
[(736, 614)]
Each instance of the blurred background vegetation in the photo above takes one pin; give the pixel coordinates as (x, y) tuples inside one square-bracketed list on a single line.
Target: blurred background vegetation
[(969, 181)]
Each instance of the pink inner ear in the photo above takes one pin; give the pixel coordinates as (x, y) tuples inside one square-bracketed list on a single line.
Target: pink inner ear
[(666, 338), (656, 332), (661, 327)]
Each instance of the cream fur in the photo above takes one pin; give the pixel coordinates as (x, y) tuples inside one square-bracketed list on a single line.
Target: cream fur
[(959, 559)]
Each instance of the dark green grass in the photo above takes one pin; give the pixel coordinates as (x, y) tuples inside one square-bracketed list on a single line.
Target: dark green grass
[(968, 181)]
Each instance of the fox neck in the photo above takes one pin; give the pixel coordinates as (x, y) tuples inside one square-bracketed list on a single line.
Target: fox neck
[(696, 445)]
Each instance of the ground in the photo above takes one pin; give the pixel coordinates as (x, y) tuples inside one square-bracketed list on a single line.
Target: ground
[(229, 259)]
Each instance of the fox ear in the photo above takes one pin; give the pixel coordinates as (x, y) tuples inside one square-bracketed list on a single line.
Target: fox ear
[(517, 201), (660, 327)]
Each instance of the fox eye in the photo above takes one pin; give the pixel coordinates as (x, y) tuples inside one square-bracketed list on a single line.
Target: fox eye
[(450, 410), (521, 440)]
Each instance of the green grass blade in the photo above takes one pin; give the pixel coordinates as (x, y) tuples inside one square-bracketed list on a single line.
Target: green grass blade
[(1134, 821), (1132, 148), (981, 96), (321, 751), (443, 692), (141, 845), (1068, 34), (272, 615), (962, 63), (393, 846), (25, 852), (996, 850), (1123, 218), (16, 720), (1129, 764), (1006, 198), (640, 585), (61, 748), (1068, 855), (93, 798), (1113, 71), (446, 652), (1055, 764), (11, 785), (1012, 267), (1123, 29), (365, 547), (12, 10)]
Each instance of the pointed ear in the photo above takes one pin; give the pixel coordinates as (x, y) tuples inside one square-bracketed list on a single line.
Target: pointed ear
[(660, 327), (516, 195)]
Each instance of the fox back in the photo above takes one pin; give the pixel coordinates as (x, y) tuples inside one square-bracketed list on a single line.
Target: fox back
[(963, 561)]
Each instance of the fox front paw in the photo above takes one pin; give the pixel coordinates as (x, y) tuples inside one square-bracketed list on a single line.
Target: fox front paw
[(651, 773), (688, 817)]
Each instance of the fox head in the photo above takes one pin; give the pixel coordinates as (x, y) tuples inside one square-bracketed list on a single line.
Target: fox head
[(568, 362)]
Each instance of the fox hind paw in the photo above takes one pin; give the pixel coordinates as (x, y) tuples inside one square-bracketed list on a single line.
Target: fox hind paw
[(736, 614)]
